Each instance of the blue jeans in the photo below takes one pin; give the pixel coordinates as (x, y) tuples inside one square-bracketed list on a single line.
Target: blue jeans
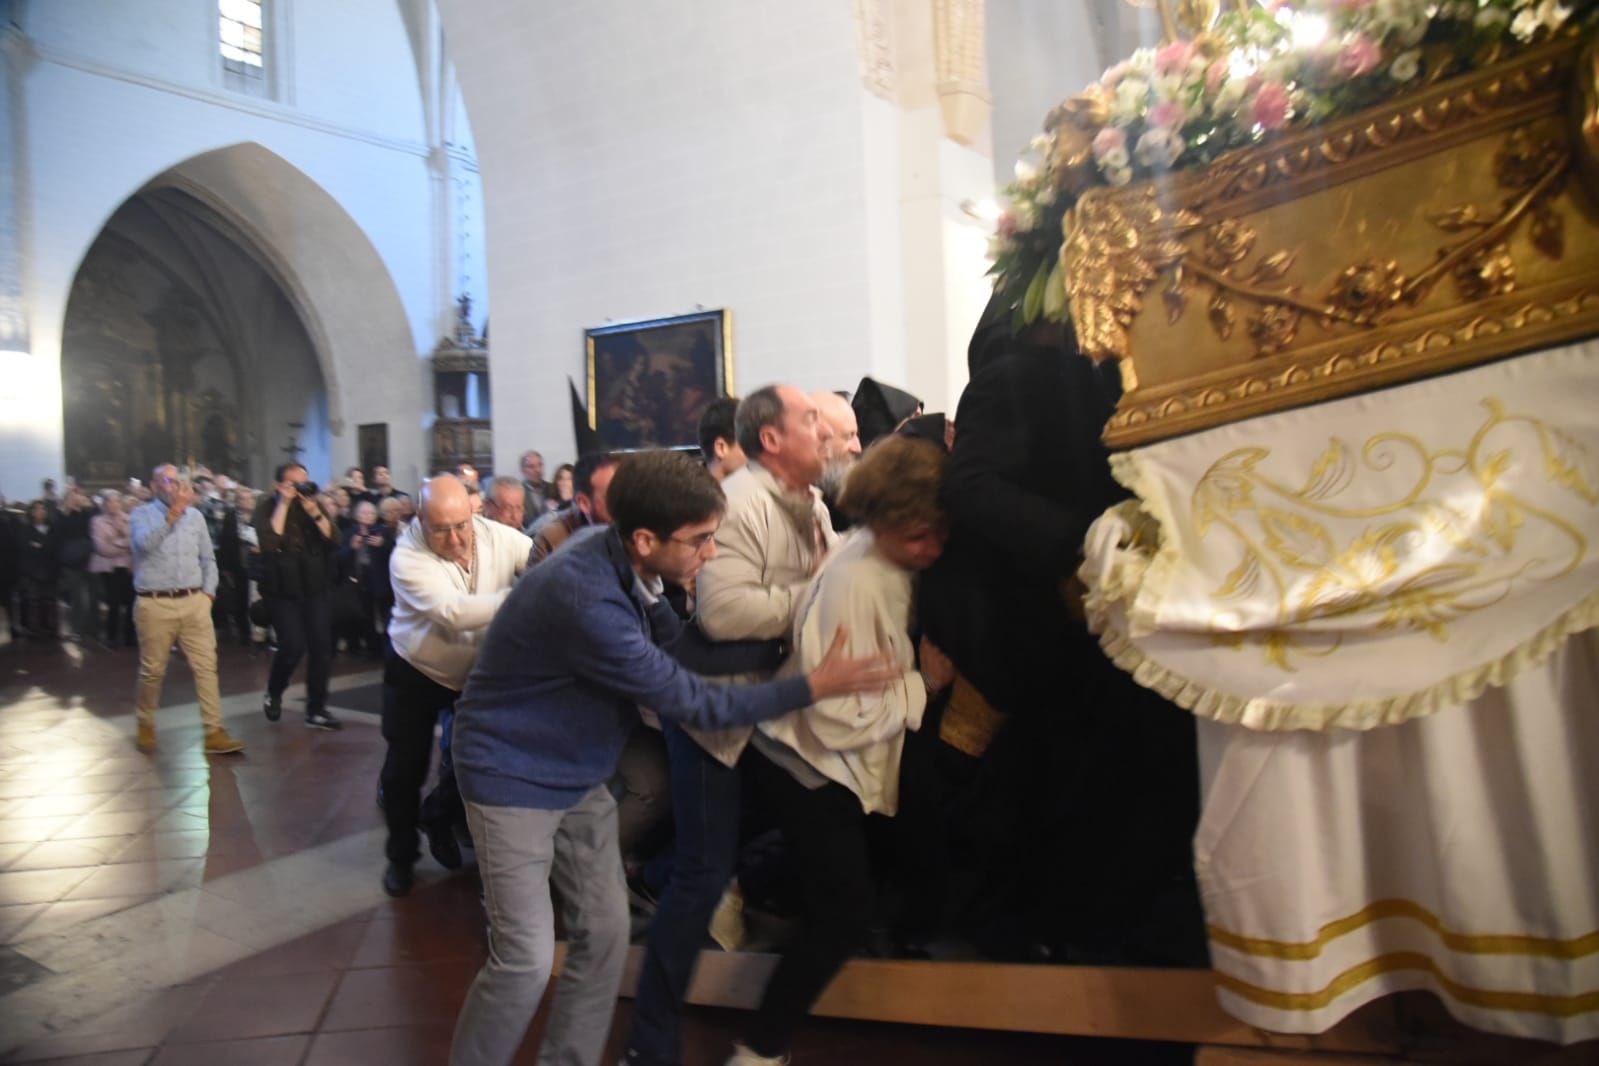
[(705, 807)]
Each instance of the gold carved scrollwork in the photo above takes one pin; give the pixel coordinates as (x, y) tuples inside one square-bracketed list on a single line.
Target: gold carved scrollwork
[(1584, 110), (1114, 250), (1423, 557), (1139, 239), (1426, 234), (1531, 166)]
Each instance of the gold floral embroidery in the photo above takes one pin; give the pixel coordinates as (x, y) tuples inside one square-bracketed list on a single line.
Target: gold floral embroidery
[(1418, 560)]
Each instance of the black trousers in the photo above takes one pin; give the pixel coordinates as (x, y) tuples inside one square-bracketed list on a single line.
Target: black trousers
[(231, 611), (118, 586), (412, 702), (826, 830), (303, 628)]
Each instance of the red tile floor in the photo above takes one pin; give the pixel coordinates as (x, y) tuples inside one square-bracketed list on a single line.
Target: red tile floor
[(171, 908)]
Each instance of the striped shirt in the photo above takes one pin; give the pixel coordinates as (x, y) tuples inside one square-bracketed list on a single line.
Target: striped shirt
[(169, 557)]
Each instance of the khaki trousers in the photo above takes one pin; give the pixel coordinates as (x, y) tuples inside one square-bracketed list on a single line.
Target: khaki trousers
[(185, 620)]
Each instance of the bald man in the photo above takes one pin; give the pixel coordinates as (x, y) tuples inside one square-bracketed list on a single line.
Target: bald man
[(450, 570), (840, 452)]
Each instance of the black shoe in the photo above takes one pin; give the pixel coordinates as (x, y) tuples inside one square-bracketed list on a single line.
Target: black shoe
[(397, 880), (272, 707), (323, 720), (442, 845)]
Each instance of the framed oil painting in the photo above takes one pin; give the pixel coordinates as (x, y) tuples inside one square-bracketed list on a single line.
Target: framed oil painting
[(649, 382)]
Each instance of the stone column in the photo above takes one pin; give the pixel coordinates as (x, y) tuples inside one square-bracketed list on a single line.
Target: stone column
[(13, 235)]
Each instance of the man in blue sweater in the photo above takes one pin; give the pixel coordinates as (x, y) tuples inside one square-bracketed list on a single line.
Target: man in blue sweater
[(581, 641)]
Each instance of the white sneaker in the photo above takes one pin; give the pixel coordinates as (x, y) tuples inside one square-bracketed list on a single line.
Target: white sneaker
[(743, 1056), (727, 923)]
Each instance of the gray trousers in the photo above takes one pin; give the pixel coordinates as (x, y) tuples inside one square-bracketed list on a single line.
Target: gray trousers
[(520, 853)]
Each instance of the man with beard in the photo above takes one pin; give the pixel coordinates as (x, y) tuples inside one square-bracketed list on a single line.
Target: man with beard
[(839, 453)]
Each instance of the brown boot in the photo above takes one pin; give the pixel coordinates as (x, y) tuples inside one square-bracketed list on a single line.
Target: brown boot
[(218, 742), (146, 740)]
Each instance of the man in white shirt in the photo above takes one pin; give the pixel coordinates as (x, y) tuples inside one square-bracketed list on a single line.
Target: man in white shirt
[(450, 570)]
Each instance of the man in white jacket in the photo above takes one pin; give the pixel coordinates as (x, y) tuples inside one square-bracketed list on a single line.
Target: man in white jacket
[(450, 570)]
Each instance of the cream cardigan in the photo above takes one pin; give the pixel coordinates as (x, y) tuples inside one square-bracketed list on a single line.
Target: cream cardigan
[(856, 740)]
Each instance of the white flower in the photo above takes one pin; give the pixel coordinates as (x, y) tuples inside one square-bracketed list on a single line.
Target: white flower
[(1026, 173), (1117, 175), (1142, 61), (1159, 147), (1491, 17), (1131, 96), (998, 246), (1529, 20), (1168, 86), (1115, 159), (1026, 216), (1406, 65), (1039, 143), (1045, 196), (1232, 94)]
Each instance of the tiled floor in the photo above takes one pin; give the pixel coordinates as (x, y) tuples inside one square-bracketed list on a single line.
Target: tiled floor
[(171, 908)]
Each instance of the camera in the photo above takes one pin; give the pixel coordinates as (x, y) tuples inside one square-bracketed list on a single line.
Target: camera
[(306, 488)]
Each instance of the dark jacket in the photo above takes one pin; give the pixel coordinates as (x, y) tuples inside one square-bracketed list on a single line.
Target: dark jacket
[(570, 655), (1027, 477), (296, 563), (36, 553), (73, 543), (367, 566)]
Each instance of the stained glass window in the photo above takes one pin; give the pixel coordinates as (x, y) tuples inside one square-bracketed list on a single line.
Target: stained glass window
[(240, 27)]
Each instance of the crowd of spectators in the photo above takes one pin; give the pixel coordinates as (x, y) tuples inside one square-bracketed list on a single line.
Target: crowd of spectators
[(887, 715), (66, 560)]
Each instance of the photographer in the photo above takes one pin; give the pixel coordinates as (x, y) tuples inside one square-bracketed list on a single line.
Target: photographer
[(298, 544)]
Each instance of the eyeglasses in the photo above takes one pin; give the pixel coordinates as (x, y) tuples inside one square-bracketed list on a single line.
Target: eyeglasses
[(697, 543)]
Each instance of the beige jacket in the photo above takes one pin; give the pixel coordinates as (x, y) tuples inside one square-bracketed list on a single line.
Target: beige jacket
[(764, 558), (856, 740)]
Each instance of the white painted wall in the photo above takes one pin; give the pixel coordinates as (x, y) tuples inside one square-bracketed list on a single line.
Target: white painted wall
[(1040, 52), (109, 95), (640, 159)]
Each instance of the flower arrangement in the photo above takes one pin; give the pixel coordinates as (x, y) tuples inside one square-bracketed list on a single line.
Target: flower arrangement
[(1258, 70)]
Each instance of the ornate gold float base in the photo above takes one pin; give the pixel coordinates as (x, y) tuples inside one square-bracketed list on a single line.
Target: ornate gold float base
[(1448, 228)]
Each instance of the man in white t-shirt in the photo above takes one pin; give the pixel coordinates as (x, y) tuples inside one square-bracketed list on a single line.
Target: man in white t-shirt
[(450, 570)]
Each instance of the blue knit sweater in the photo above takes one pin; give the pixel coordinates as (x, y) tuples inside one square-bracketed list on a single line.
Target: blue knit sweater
[(571, 654)]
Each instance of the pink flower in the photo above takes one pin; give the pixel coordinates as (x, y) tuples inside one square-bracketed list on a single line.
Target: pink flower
[(1360, 55), (1168, 114), (1351, 5), (1007, 225), (1174, 57), (1108, 140), (1270, 106), (1215, 74)]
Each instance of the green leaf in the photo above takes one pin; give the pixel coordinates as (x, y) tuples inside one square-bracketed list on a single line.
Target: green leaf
[(1033, 302), (1054, 293)]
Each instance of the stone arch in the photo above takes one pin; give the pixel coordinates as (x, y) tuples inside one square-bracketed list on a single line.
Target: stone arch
[(326, 265), (318, 254)]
